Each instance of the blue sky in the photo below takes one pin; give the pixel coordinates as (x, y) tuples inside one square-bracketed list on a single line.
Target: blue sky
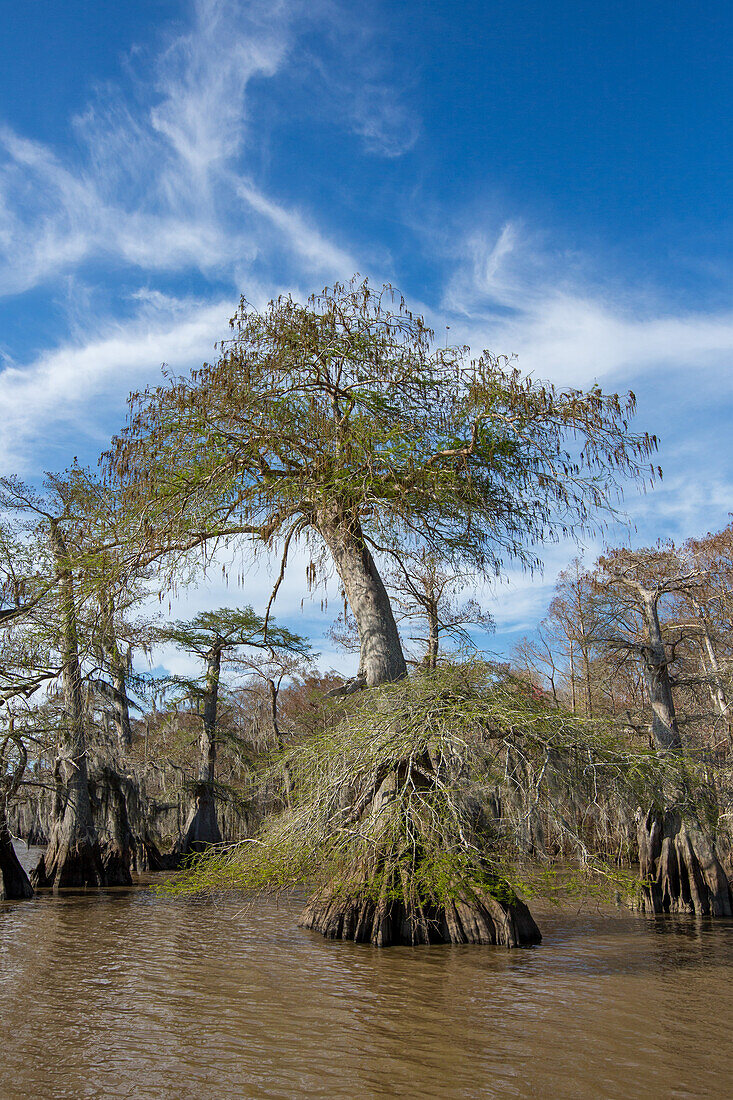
[(550, 179)]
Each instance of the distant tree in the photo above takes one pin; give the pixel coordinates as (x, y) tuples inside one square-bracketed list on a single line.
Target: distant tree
[(212, 636), (578, 616), (537, 657), (340, 422), (421, 590), (66, 535), (73, 857)]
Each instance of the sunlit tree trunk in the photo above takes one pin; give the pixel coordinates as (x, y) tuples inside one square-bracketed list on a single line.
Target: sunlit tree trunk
[(118, 675), (665, 729), (381, 657)]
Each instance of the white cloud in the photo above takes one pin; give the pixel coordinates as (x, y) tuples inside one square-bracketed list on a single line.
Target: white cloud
[(516, 296), (301, 237), (385, 124), (204, 76), (68, 385), (160, 188)]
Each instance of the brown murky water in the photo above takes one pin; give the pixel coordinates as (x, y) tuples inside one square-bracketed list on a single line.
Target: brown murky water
[(129, 994)]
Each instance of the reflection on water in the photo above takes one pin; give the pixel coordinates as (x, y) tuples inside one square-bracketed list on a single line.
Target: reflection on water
[(124, 993)]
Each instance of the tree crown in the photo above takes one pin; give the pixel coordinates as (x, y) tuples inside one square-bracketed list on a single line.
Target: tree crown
[(345, 404)]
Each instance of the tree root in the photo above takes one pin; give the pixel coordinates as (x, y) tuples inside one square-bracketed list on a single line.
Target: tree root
[(473, 918), (202, 828), (680, 869), (72, 859)]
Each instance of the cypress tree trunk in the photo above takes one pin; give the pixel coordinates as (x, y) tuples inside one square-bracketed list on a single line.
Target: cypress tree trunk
[(381, 658), (679, 866), (202, 827), (14, 882), (118, 675), (433, 635), (117, 843), (122, 708), (73, 856), (349, 910), (665, 729), (287, 778)]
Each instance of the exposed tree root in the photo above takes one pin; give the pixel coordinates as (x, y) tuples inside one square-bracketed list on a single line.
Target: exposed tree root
[(470, 918), (680, 868), (73, 858)]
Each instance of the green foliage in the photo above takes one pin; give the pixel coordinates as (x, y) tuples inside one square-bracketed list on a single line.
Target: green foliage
[(229, 628), (345, 403), (453, 781)]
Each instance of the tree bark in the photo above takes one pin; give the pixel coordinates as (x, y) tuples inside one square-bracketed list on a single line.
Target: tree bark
[(14, 882), (387, 923), (665, 729), (287, 776), (679, 866), (117, 843), (122, 707), (73, 856), (433, 635), (717, 691), (118, 675), (381, 657)]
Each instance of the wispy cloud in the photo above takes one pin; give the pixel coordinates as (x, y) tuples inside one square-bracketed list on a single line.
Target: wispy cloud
[(160, 188), (386, 125), (301, 237), (70, 385), (515, 295)]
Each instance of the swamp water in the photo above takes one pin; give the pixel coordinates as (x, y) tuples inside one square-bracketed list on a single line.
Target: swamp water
[(126, 993)]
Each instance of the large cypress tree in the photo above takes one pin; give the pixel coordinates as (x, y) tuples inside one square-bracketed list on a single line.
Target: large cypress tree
[(340, 421)]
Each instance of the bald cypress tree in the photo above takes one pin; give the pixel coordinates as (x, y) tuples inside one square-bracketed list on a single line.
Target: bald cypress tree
[(213, 636), (339, 422)]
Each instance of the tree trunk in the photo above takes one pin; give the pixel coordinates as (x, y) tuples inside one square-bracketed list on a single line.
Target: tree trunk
[(387, 923), (381, 659), (433, 635), (287, 776), (588, 686), (400, 914), (14, 882), (680, 869), (202, 827), (118, 675), (679, 866), (717, 690), (665, 729), (73, 857), (122, 707), (117, 843)]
